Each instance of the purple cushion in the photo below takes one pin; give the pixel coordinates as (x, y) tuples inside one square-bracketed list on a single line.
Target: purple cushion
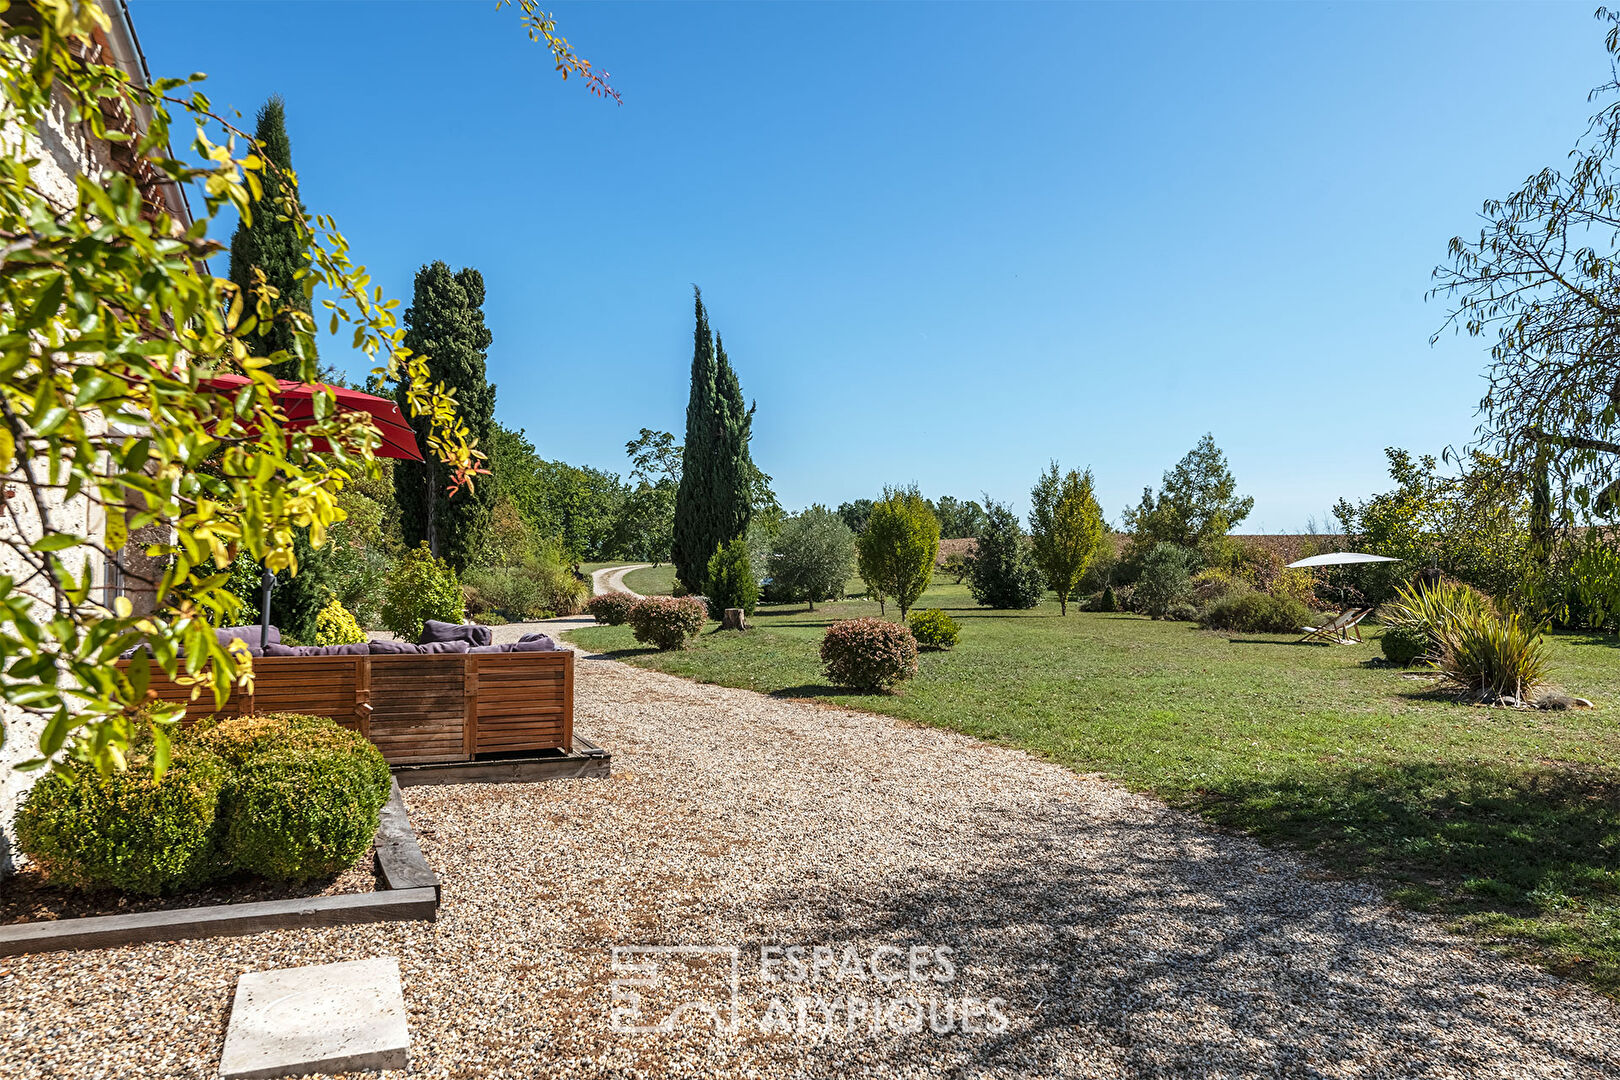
[(276, 648), (538, 637), (444, 647), (533, 643), (250, 635), (435, 631), (391, 648), (487, 648), (353, 648)]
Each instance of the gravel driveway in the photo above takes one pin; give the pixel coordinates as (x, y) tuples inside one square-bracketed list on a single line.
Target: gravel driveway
[(1120, 938)]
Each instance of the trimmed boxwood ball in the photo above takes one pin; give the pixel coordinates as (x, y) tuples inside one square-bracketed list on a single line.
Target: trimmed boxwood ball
[(934, 629), (127, 831), (667, 622), (611, 609), (869, 654), (303, 797)]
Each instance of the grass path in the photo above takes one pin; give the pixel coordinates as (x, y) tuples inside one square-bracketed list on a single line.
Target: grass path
[(1507, 822)]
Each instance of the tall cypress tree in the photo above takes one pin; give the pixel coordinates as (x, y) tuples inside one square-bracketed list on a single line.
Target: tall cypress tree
[(445, 323), (734, 469), (271, 244), (694, 531), (712, 502)]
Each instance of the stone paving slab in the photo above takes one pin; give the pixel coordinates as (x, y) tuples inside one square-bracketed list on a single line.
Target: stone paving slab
[(323, 1018)]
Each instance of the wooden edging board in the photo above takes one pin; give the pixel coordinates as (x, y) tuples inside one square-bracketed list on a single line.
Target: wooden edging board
[(411, 892)]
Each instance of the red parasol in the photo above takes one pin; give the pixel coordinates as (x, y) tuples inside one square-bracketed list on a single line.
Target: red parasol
[(297, 400)]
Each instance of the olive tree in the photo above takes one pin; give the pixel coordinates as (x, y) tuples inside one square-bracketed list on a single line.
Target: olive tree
[(110, 332), (813, 556), (896, 552)]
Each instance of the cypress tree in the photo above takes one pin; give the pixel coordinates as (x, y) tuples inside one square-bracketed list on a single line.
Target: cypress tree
[(734, 468), (712, 503), (271, 244), (445, 322), (694, 534)]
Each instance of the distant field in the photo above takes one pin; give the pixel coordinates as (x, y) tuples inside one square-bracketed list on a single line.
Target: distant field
[(1507, 822)]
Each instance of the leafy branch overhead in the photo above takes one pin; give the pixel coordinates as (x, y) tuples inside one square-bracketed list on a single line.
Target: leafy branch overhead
[(1543, 280), (109, 328)]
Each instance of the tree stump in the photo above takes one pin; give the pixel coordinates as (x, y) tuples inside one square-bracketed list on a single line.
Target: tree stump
[(734, 619)]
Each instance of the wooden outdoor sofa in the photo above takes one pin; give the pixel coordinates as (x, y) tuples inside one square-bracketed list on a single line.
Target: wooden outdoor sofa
[(417, 708)]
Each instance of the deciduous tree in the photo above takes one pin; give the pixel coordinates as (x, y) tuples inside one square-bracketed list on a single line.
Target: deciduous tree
[(1067, 528), (896, 553), (109, 329)]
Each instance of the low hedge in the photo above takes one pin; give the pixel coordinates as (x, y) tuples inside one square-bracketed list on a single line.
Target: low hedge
[(127, 831), (611, 609), (1256, 613), (282, 796), (869, 654), (667, 622)]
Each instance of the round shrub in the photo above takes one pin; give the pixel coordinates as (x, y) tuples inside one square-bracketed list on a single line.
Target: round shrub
[(126, 831), (611, 609), (1182, 611), (667, 622), (421, 588), (335, 626), (868, 654), (1404, 644), (1256, 613), (303, 795), (934, 629)]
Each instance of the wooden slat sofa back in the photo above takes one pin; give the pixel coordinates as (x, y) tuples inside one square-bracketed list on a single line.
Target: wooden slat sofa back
[(416, 708)]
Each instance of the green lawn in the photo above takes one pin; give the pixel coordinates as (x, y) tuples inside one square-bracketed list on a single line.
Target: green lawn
[(1506, 822), (653, 581)]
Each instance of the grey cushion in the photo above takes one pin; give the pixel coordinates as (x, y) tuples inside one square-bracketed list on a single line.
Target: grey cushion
[(444, 647), (533, 643), (276, 649), (391, 648), (434, 631)]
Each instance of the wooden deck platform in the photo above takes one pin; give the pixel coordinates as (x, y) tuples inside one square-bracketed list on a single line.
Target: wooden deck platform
[(584, 760)]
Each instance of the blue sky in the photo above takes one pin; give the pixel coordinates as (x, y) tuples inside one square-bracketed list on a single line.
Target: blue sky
[(943, 243)]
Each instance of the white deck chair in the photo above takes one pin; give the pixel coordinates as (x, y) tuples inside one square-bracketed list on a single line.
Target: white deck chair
[(1337, 630)]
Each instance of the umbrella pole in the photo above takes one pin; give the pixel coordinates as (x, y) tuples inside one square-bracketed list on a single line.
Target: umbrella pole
[(267, 582)]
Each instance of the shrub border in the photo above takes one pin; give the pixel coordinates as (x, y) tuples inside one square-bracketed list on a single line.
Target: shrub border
[(410, 891)]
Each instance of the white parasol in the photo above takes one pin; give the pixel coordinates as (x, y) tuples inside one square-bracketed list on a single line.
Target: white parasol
[(1341, 558)]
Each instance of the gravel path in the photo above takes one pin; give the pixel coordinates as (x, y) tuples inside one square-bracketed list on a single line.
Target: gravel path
[(611, 579), (1122, 938)]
